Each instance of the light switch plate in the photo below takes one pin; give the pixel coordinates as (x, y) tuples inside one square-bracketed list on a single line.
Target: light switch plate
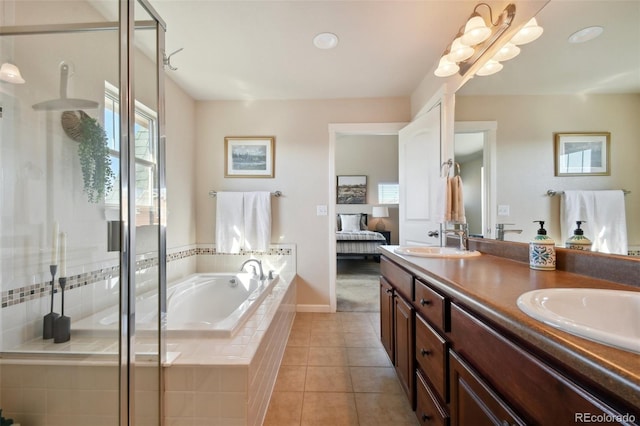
[(503, 210)]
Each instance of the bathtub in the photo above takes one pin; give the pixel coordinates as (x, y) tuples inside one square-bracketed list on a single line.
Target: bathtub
[(211, 304)]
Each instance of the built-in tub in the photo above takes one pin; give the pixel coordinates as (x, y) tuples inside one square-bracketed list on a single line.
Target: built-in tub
[(211, 304)]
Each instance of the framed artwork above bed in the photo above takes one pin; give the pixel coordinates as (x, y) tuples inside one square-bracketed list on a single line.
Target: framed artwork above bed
[(352, 190)]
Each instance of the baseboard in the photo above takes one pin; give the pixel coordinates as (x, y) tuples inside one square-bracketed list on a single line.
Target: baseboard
[(314, 308)]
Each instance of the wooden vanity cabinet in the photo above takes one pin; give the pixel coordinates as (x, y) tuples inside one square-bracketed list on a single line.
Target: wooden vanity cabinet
[(397, 323)]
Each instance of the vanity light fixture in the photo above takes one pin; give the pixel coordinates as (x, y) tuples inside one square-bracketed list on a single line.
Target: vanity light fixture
[(325, 41), (10, 73), (476, 37)]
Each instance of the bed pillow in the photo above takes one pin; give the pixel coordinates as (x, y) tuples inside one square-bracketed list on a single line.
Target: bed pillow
[(350, 222)]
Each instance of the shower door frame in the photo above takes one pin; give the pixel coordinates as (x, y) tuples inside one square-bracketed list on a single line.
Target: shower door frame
[(126, 27)]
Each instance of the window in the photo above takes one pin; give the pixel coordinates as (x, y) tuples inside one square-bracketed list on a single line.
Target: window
[(145, 153), (388, 193)]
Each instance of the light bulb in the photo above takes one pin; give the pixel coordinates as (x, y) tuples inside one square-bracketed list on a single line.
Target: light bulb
[(508, 51), (459, 52), (446, 68)]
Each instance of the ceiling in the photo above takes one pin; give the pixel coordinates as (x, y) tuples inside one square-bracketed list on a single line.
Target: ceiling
[(244, 50)]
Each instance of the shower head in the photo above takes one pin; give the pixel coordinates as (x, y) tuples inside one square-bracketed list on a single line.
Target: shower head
[(64, 103)]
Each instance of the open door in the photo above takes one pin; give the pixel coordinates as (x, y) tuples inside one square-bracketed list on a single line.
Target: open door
[(419, 171)]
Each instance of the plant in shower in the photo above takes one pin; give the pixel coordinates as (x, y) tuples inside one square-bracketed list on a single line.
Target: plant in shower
[(93, 152)]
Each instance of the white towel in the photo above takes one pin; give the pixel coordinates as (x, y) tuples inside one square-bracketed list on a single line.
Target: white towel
[(604, 214), (229, 222), (257, 221)]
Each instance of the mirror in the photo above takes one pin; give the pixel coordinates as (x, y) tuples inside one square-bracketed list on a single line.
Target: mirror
[(557, 86)]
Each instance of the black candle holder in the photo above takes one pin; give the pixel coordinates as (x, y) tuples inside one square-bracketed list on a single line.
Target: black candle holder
[(62, 324), (51, 317)]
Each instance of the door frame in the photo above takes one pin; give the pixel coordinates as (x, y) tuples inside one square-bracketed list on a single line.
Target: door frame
[(374, 129)]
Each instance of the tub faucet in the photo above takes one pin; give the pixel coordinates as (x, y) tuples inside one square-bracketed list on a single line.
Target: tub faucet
[(500, 231), (259, 262), (462, 231)]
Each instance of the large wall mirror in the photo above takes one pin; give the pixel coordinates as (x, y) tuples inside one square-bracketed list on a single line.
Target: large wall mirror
[(558, 86)]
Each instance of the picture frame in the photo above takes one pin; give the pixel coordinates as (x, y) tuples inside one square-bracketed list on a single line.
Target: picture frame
[(582, 154), (249, 156), (351, 190)]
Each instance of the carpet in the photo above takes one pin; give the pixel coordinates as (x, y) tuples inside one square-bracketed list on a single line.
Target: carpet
[(358, 285)]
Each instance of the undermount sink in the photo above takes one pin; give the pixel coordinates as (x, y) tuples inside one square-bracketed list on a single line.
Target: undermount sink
[(432, 251), (611, 317)]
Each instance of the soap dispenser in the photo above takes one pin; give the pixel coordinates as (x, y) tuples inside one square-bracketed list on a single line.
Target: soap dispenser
[(542, 250), (578, 241)]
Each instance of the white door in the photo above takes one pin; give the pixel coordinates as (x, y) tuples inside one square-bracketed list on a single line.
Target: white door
[(419, 173)]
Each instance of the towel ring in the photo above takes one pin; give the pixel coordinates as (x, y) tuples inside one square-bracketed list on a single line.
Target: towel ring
[(449, 163)]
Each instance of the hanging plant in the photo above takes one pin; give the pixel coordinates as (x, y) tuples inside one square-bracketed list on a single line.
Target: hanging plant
[(93, 152)]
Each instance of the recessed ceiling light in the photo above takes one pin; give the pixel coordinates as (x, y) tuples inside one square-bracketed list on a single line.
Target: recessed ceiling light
[(325, 41), (585, 34)]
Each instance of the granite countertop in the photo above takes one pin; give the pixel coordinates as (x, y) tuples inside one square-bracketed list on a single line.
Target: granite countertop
[(490, 286)]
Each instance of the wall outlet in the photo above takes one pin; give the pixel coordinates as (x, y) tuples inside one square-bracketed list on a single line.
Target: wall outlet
[(503, 210), (321, 210)]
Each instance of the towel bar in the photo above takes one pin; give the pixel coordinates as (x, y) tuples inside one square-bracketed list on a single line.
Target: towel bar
[(552, 192), (212, 194)]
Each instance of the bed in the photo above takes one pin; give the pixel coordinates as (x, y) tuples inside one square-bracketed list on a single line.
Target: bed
[(353, 238)]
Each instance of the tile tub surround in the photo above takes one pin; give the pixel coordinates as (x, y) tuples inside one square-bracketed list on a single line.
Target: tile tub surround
[(95, 287), (229, 381)]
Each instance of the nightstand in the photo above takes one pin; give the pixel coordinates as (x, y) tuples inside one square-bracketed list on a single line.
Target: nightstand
[(387, 236)]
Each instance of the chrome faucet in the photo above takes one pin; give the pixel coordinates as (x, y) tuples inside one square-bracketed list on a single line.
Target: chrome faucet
[(462, 231), (500, 231), (259, 262)]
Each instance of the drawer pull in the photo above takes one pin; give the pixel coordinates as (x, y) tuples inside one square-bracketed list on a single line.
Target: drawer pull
[(389, 291), (425, 417), (425, 302), (424, 352)]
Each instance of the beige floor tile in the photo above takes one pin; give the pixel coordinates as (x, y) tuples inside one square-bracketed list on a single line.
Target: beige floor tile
[(368, 357), (326, 316), (329, 409), (327, 356), (375, 379), (295, 355), (326, 338), (357, 327), (299, 338), (291, 378), (326, 327), (362, 340), (377, 409), (328, 379), (285, 409), (304, 326)]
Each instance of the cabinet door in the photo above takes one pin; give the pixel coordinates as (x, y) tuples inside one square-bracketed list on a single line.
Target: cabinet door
[(386, 318), (404, 343), (473, 402)]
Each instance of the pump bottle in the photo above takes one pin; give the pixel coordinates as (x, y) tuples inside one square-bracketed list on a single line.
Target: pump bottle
[(542, 250), (578, 241)]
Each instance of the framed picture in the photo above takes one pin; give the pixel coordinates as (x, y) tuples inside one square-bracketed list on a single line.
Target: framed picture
[(352, 190), (249, 156), (582, 154)]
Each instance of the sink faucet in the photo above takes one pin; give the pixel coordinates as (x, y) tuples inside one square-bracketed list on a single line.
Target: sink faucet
[(259, 262), (500, 231), (462, 231)]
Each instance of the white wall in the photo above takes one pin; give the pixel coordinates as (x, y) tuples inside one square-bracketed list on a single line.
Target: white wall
[(525, 152), (374, 156), (301, 170)]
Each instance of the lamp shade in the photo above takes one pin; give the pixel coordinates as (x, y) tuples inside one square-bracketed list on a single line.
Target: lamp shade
[(491, 67), (475, 31), (380, 211), (528, 33), (459, 52), (446, 68), (508, 51), (10, 73)]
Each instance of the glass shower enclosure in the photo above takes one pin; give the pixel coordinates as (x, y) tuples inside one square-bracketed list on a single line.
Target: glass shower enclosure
[(82, 198)]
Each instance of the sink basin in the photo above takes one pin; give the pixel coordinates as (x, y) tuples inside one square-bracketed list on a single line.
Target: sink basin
[(611, 317), (429, 251)]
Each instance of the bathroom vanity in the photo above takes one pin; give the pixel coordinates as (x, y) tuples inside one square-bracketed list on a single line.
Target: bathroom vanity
[(466, 355)]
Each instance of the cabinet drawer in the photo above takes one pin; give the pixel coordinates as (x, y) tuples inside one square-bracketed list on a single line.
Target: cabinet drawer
[(428, 408), (538, 392), (431, 354), (400, 279), (432, 306)]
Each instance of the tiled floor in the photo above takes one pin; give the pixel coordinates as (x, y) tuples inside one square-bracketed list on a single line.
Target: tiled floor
[(335, 372)]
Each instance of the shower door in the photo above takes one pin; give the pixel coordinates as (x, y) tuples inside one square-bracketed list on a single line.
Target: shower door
[(81, 197)]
